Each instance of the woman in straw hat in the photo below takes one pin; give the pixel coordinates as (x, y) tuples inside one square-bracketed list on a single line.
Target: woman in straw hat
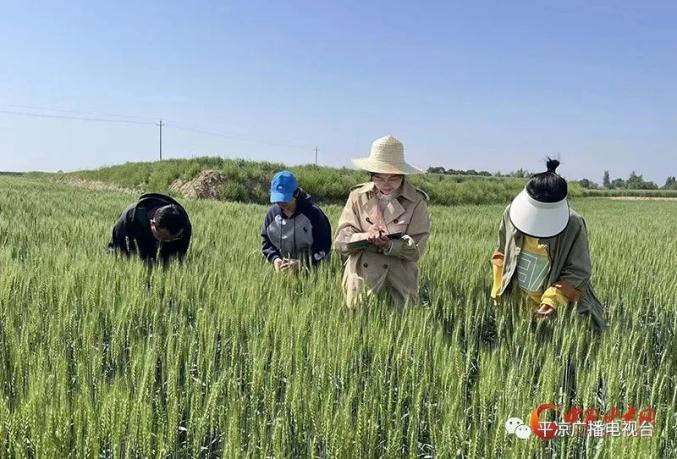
[(384, 228), (543, 248)]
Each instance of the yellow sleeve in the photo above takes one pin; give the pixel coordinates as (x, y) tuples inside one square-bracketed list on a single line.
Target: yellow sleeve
[(497, 268), (554, 298)]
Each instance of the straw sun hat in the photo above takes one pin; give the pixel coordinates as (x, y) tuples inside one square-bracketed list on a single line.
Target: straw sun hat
[(386, 157)]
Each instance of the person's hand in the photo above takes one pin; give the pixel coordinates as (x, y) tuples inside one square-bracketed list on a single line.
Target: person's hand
[(545, 310), (377, 236), (279, 264), (293, 265), (286, 264)]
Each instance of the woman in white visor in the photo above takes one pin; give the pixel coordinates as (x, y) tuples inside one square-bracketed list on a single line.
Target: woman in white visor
[(543, 248)]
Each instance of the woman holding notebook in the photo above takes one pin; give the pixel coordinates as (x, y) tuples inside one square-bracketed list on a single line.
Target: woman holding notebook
[(384, 228)]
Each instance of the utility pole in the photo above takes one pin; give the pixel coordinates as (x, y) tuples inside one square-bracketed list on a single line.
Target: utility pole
[(160, 124), (316, 150)]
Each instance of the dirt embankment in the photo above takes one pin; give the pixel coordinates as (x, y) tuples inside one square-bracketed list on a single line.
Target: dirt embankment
[(207, 185)]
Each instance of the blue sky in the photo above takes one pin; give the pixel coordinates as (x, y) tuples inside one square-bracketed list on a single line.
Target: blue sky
[(483, 85)]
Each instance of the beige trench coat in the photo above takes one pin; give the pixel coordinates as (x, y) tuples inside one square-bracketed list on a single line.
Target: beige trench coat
[(372, 270)]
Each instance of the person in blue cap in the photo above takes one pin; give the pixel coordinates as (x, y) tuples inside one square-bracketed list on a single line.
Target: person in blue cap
[(295, 233)]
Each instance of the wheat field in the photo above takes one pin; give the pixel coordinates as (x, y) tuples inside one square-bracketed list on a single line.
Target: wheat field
[(221, 357)]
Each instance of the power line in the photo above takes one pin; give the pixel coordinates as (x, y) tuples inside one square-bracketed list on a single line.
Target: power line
[(76, 112), (235, 137), (79, 118), (161, 124)]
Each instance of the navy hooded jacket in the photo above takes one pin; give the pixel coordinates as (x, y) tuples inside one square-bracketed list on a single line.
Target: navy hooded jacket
[(304, 236)]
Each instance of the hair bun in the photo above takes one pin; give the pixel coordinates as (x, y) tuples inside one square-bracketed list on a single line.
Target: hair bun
[(552, 165)]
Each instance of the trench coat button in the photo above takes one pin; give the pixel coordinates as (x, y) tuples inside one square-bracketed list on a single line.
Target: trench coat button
[(365, 265), (385, 266)]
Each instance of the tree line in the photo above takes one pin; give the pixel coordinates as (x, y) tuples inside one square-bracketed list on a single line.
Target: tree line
[(633, 182)]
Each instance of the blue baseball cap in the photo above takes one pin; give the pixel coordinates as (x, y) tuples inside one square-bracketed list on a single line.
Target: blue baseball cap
[(282, 187)]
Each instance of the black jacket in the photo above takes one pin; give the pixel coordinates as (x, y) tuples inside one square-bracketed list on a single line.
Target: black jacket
[(132, 234)]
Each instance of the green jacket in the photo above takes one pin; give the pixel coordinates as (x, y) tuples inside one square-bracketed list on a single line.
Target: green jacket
[(570, 267)]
